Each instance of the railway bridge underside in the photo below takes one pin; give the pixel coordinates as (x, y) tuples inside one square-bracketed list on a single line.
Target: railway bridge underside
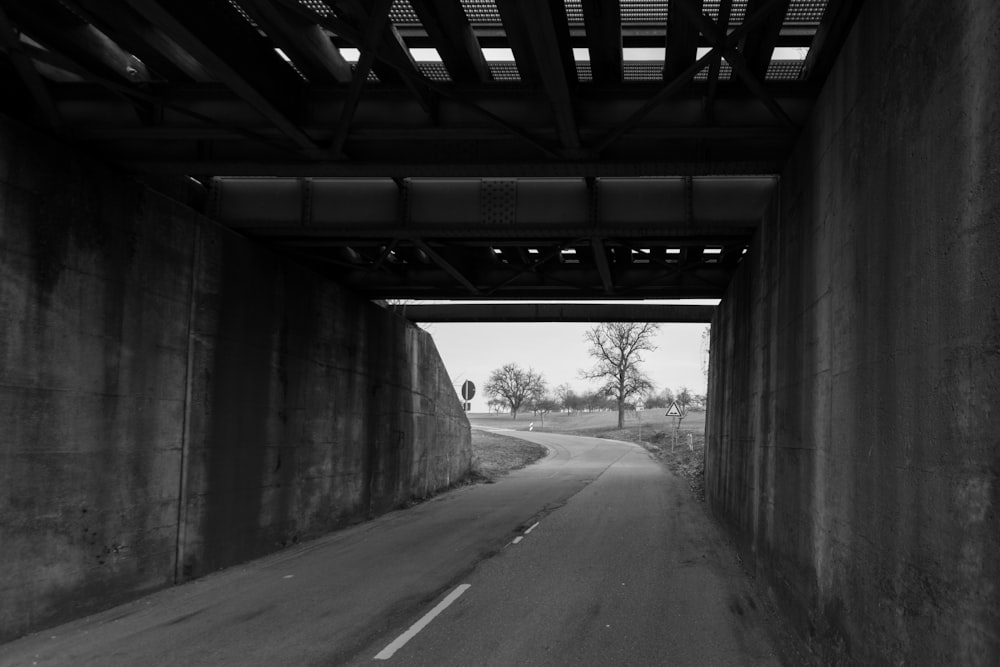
[(206, 208)]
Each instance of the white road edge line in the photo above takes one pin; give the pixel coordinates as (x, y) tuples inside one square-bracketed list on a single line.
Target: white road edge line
[(518, 539), (533, 526), (401, 640)]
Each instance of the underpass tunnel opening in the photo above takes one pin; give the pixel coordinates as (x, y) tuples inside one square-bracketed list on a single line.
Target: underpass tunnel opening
[(516, 271), (586, 238), (532, 260), (671, 354), (554, 367)]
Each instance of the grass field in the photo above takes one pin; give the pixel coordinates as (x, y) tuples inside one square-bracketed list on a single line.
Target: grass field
[(560, 422), (494, 454), (651, 429)]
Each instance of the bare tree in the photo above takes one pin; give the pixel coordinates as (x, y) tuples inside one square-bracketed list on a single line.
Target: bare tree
[(541, 405), (660, 400), (567, 398), (617, 348), (706, 350), (514, 386), (684, 398)]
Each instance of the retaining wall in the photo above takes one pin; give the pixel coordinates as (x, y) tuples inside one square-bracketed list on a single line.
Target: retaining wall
[(175, 399), (853, 445)]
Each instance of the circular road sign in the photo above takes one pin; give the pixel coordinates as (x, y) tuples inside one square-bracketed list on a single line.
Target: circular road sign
[(468, 390)]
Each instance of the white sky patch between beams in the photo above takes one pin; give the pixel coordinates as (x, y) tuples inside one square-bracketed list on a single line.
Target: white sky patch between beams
[(629, 54)]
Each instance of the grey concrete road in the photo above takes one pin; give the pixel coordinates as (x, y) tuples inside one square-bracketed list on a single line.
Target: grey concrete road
[(593, 556)]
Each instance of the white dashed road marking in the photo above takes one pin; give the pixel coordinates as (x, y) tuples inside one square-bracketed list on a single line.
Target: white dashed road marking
[(401, 640)]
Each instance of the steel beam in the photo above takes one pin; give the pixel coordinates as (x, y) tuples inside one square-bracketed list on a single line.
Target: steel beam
[(723, 44), (759, 44), (603, 268), (129, 92), (682, 43), (377, 18), (141, 38), (833, 29), (557, 312), (604, 39), (303, 42), (175, 132), (725, 9), (446, 266), (56, 27), (542, 57), (452, 35), (684, 78), (403, 65), (248, 67), (25, 68), (355, 15), (454, 168), (359, 208), (414, 290)]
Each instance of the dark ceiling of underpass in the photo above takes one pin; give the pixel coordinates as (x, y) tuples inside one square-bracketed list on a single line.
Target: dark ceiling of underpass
[(427, 149)]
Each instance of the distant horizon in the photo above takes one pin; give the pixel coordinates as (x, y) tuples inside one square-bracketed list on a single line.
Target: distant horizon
[(471, 351)]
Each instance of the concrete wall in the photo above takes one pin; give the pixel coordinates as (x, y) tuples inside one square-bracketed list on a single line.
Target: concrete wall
[(854, 440), (174, 399)]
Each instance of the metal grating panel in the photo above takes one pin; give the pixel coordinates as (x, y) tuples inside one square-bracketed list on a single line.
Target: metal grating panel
[(296, 69), (806, 11), (574, 12), (583, 72), (504, 71), (783, 70), (482, 12), (736, 14), (317, 6), (402, 13), (434, 71), (651, 70), (246, 17), (643, 12), (372, 76), (725, 72)]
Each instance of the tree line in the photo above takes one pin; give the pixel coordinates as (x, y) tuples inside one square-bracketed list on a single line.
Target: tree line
[(616, 349)]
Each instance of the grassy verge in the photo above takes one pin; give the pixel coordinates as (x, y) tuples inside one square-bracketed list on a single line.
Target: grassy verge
[(494, 455), (687, 462)]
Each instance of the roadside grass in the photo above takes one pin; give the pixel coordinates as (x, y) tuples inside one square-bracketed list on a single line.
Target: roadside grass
[(559, 422), (494, 455), (651, 430), (686, 461)]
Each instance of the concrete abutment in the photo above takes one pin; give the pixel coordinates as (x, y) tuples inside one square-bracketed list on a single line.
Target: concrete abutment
[(854, 442), (175, 399)]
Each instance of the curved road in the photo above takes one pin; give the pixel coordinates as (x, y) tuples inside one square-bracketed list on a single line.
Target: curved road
[(595, 555)]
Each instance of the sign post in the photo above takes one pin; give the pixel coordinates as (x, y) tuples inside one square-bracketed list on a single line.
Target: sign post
[(638, 411), (675, 412), (468, 392)]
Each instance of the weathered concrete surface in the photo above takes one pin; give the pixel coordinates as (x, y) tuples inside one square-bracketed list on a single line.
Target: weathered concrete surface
[(174, 399), (854, 443)]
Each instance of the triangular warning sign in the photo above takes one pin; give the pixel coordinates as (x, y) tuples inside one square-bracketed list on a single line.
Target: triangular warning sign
[(673, 411)]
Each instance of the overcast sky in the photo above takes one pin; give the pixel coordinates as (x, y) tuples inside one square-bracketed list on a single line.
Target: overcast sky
[(558, 351)]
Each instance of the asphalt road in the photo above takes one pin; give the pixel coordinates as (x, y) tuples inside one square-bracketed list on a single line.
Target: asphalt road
[(593, 556)]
